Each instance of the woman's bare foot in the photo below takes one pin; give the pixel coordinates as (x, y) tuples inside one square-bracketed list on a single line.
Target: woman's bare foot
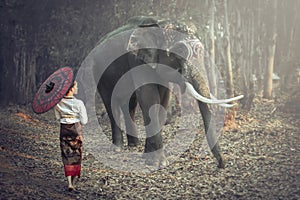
[(70, 188)]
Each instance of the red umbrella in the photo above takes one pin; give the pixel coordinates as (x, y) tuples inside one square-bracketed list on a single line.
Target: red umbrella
[(53, 90)]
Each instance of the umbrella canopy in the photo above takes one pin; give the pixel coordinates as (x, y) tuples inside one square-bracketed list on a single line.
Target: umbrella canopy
[(53, 90)]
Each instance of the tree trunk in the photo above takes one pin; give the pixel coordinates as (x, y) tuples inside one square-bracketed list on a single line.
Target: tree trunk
[(259, 51), (250, 69), (211, 30), (212, 47), (230, 88), (18, 61), (231, 113), (238, 46), (271, 55)]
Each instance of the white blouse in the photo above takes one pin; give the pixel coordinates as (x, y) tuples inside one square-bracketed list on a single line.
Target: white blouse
[(71, 110)]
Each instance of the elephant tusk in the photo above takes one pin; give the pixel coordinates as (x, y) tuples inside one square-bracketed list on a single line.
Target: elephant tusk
[(191, 90), (225, 105)]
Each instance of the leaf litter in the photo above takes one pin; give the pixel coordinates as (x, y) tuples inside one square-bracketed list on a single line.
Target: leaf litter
[(262, 154)]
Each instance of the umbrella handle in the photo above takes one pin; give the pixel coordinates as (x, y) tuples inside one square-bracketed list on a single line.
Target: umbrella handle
[(49, 87)]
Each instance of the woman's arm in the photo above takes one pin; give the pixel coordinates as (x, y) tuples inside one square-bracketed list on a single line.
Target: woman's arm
[(57, 113), (82, 113)]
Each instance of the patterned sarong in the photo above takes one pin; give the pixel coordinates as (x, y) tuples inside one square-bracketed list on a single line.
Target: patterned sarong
[(71, 148)]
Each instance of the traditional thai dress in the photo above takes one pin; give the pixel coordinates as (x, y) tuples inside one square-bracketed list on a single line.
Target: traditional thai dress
[(72, 114)]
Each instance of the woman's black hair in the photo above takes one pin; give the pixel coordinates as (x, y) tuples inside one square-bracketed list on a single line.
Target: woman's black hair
[(72, 85)]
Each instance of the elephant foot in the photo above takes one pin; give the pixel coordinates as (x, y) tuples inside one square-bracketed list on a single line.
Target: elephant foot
[(133, 141), (156, 159), (163, 162), (116, 148), (216, 152), (221, 163), (168, 118), (133, 144)]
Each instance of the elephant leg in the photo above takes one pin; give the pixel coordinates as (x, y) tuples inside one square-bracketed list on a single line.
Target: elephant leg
[(117, 135), (148, 96), (211, 135), (114, 115), (178, 101), (131, 132), (164, 93)]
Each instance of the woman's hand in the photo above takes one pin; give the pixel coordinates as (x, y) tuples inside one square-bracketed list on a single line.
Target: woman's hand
[(80, 137)]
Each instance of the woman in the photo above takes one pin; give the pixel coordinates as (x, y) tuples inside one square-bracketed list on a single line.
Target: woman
[(72, 114)]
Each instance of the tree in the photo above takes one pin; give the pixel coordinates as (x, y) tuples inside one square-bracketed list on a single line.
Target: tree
[(271, 54), (212, 46), (229, 78), (241, 35)]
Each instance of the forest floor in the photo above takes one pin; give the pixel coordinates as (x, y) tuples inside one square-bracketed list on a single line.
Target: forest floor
[(262, 152)]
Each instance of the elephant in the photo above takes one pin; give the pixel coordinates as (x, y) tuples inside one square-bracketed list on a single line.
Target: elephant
[(151, 54)]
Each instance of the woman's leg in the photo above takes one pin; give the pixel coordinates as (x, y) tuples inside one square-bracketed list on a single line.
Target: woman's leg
[(73, 180), (70, 185)]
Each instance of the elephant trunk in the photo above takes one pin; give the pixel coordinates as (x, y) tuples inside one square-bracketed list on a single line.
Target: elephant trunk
[(198, 87)]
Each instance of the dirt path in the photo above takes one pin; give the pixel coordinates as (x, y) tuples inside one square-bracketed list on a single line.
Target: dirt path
[(263, 161)]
